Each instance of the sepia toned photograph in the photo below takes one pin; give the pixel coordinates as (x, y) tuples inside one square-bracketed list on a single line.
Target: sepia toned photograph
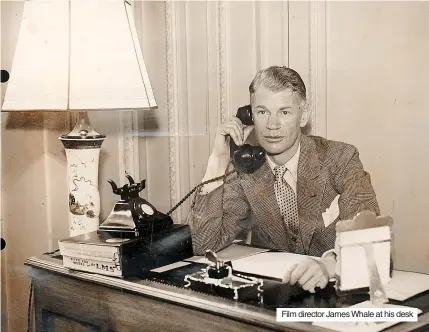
[(214, 165)]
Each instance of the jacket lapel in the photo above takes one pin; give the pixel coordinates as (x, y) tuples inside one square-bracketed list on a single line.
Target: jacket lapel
[(310, 187)]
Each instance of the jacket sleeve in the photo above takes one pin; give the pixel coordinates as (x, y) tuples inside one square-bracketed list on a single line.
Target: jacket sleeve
[(218, 217), (354, 186)]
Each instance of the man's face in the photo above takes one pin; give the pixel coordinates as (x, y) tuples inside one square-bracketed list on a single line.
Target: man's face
[(278, 118)]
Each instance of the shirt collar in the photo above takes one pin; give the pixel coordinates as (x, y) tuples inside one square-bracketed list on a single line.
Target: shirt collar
[(291, 164)]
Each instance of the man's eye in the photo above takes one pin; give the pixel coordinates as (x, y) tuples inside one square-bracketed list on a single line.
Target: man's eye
[(285, 112), (261, 112)]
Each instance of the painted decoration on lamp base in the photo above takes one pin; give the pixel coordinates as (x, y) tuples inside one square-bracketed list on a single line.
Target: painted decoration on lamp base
[(84, 196)]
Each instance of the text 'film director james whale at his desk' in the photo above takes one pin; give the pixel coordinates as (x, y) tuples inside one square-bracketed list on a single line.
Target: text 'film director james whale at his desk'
[(289, 194)]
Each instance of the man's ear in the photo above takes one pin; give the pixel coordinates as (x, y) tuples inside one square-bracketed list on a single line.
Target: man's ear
[(305, 114)]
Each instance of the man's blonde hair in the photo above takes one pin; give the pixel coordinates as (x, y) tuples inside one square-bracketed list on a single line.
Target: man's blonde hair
[(278, 78)]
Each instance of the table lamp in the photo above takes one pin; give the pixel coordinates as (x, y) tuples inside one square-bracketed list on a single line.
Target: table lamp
[(79, 55)]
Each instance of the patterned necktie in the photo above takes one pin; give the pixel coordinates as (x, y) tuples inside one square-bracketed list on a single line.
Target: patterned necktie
[(286, 199)]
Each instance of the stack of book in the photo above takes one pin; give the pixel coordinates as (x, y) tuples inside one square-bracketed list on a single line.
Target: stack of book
[(103, 254)]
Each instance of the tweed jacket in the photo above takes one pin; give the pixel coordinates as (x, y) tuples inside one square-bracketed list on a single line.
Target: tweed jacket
[(247, 201)]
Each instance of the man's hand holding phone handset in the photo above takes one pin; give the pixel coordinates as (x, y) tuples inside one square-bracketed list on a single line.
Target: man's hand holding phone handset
[(220, 159), (233, 130)]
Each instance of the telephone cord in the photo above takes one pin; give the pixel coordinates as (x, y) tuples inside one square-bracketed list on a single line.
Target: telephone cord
[(222, 177)]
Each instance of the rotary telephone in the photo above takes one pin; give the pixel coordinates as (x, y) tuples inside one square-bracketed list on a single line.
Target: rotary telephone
[(132, 215)]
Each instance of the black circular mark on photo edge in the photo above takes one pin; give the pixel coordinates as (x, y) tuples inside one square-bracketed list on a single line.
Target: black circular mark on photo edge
[(3, 243), (4, 76)]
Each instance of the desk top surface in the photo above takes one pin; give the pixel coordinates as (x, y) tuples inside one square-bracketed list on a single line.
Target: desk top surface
[(279, 296)]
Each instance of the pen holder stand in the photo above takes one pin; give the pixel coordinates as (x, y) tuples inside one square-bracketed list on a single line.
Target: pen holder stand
[(364, 260), (218, 279)]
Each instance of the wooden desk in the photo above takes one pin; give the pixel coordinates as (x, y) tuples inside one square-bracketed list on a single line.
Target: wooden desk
[(67, 300)]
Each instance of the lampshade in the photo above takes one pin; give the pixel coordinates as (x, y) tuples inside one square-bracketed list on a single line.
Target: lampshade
[(78, 55)]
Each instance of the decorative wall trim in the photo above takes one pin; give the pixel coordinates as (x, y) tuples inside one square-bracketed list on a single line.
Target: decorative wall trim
[(181, 90), (128, 160), (213, 117), (223, 56), (208, 33), (136, 141), (318, 68), (170, 39)]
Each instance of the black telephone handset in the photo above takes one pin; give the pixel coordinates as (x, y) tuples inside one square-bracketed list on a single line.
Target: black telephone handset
[(246, 158)]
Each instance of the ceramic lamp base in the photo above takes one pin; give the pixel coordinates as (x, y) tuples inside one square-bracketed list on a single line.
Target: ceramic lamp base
[(83, 152)]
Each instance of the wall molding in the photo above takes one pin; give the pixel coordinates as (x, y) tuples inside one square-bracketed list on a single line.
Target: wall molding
[(182, 75), (318, 68), (214, 55), (223, 63), (128, 146), (172, 98)]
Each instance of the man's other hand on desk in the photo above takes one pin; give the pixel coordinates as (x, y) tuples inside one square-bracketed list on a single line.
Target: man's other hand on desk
[(311, 273)]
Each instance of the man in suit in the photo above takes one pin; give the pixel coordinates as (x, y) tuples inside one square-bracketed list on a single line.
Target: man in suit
[(293, 201)]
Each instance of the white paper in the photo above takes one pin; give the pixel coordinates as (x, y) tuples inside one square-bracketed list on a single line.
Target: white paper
[(404, 285), (233, 252), (269, 264), (170, 267), (194, 259), (361, 326)]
